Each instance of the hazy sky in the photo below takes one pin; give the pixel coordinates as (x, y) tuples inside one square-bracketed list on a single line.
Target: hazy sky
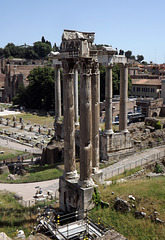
[(138, 25)]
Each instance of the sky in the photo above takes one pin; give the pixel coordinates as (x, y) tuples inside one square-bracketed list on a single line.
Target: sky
[(138, 25)]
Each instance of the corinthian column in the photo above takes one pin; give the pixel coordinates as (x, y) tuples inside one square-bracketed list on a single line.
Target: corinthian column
[(95, 116), (57, 92), (85, 125), (69, 123), (123, 98), (76, 96), (108, 100)]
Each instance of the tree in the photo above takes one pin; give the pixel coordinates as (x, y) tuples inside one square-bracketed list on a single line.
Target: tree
[(43, 39), (140, 58), (128, 54), (1, 52), (42, 49), (39, 94), (41, 88), (121, 52)]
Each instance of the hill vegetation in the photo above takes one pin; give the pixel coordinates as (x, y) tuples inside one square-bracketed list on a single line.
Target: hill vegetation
[(149, 198)]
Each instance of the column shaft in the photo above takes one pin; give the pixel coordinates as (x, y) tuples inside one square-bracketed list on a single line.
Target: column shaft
[(85, 126), (76, 95), (123, 98), (95, 118), (108, 101), (69, 124), (57, 93)]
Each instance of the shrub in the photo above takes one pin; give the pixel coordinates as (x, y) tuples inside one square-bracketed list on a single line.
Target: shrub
[(158, 168), (158, 125)]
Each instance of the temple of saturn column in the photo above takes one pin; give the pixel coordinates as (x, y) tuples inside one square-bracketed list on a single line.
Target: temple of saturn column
[(78, 54)]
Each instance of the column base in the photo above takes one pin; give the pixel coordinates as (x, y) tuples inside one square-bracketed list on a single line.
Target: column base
[(109, 131), (75, 198), (125, 131), (86, 183), (70, 175)]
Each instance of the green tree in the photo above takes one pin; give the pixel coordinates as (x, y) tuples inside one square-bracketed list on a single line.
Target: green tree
[(21, 98), (41, 88), (1, 52), (42, 49), (128, 54), (140, 58)]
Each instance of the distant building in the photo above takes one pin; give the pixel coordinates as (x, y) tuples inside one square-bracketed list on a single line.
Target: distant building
[(13, 73), (146, 88)]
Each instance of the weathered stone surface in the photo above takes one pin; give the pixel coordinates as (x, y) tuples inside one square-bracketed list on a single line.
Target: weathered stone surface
[(139, 214), (53, 153), (111, 234), (3, 236), (4, 169), (121, 205), (18, 196)]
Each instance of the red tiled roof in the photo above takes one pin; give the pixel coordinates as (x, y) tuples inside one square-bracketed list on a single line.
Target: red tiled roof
[(150, 82)]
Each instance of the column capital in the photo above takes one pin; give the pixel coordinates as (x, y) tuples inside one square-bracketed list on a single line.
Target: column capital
[(68, 66)]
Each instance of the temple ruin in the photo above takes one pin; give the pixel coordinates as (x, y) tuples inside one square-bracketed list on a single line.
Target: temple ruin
[(78, 55)]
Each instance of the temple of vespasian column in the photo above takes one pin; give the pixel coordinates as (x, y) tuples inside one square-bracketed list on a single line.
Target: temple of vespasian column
[(78, 53)]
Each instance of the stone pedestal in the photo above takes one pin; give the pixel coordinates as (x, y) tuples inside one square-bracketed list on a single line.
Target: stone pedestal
[(21, 120), (73, 197), (23, 126), (7, 123)]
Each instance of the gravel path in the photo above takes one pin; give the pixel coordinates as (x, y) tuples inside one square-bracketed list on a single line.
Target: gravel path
[(28, 190)]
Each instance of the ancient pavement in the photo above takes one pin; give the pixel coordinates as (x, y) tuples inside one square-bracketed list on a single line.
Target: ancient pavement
[(28, 189)]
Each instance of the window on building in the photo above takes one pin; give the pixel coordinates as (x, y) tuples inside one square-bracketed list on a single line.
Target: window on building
[(138, 89)]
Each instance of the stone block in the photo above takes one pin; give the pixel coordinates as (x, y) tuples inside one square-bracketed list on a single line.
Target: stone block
[(73, 197), (4, 169)]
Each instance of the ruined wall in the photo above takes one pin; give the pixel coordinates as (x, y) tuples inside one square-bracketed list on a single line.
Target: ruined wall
[(114, 143)]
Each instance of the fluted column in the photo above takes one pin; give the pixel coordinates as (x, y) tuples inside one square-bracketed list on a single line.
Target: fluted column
[(95, 116), (69, 123), (85, 125), (108, 101), (123, 98), (57, 93), (76, 96)]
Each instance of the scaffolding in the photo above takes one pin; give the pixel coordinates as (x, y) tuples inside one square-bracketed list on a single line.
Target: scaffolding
[(70, 226)]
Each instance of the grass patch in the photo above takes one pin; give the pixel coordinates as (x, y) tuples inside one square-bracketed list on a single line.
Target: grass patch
[(35, 119), (14, 216), (149, 194), (9, 153), (35, 174)]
